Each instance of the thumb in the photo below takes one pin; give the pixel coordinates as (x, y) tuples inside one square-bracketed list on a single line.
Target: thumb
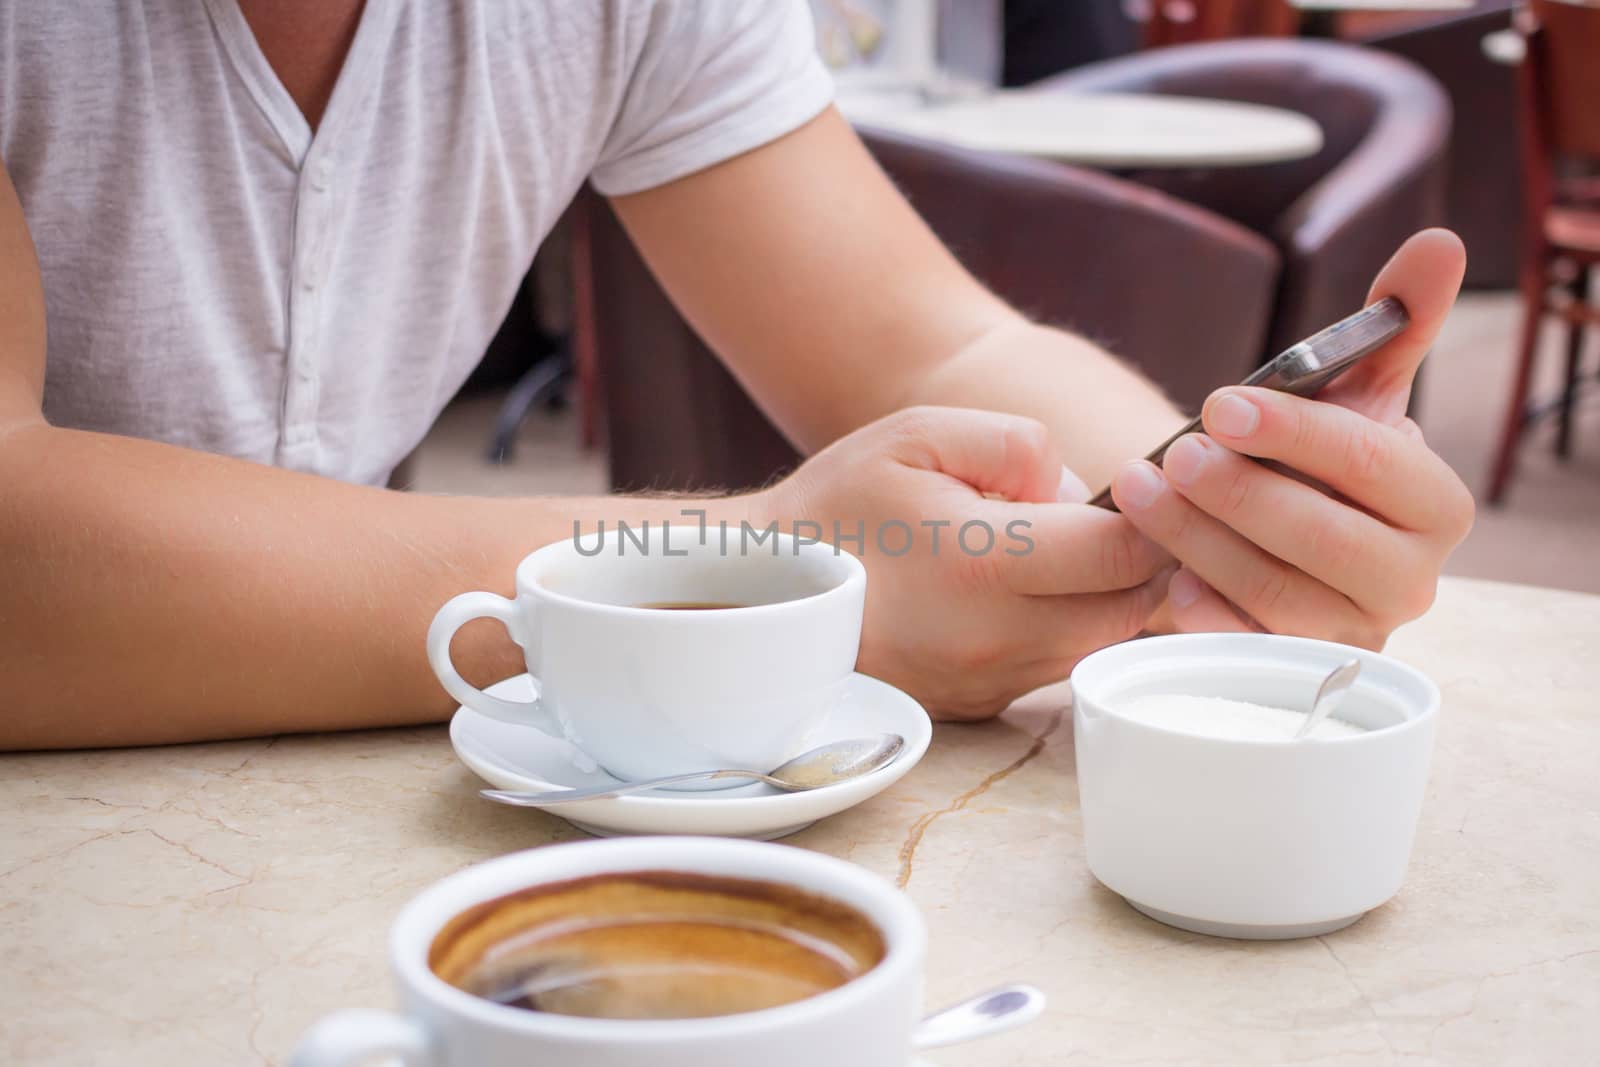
[(1425, 274), (1008, 456)]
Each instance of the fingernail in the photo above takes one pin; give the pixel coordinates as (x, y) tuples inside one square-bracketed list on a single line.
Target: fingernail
[(1138, 485), (1233, 416), (1184, 460), (1184, 589), (1072, 490)]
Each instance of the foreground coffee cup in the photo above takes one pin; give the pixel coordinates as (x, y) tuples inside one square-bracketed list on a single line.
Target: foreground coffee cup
[(648, 692), (869, 1021), (1250, 838)]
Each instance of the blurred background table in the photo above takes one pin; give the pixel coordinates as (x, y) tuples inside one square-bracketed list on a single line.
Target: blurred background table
[(202, 904), (1098, 129), (1382, 5), (1322, 18)]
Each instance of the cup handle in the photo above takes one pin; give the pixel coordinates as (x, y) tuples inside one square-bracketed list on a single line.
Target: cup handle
[(355, 1036), (457, 613)]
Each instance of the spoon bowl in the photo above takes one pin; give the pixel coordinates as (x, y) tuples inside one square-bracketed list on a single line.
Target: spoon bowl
[(830, 764), (1329, 695)]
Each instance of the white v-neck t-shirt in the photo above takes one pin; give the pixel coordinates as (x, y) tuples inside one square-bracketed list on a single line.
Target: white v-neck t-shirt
[(217, 276)]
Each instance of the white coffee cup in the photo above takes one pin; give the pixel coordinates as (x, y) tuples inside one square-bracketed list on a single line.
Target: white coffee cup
[(648, 692), (870, 1021), (1250, 839)]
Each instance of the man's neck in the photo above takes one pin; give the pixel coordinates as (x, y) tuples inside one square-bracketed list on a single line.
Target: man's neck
[(306, 42)]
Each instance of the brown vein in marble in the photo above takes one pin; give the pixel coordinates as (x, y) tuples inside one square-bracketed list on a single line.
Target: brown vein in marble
[(908, 850), (1361, 994), (108, 804), (258, 1017), (58, 854), (1477, 990), (270, 743)]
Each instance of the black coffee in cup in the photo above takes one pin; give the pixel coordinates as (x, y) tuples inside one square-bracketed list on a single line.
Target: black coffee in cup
[(655, 945)]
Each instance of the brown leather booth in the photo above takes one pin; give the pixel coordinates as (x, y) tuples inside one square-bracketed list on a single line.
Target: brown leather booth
[(1335, 217), (1180, 292), (1484, 185)]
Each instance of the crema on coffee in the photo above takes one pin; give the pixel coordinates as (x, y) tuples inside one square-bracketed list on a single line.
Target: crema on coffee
[(655, 945)]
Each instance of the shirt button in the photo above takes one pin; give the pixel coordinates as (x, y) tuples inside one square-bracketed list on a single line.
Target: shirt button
[(321, 174)]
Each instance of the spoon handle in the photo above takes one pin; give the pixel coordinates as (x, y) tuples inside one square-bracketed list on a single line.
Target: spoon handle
[(979, 1016), (597, 792), (1329, 693)]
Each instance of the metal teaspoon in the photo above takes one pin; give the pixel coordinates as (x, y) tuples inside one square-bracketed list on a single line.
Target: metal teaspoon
[(829, 764), (982, 1015), (1329, 694)]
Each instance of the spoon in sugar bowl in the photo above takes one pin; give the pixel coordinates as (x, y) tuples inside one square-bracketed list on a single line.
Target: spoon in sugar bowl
[(830, 764), (1329, 695)]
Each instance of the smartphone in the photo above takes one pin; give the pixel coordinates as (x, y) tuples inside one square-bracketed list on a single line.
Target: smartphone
[(1308, 366)]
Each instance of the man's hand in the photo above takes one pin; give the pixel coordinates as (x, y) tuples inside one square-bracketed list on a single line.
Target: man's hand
[(1350, 558), (968, 620)]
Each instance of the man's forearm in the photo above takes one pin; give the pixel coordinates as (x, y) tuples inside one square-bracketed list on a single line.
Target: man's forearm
[(155, 594), (1101, 412)]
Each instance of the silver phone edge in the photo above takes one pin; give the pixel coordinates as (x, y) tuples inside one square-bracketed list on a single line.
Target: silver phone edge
[(1317, 360)]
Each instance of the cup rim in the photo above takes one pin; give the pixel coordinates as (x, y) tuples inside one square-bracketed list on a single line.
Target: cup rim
[(853, 576), (420, 921), (1094, 673)]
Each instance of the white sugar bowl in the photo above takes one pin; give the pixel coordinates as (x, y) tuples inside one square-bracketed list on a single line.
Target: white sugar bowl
[(1250, 838)]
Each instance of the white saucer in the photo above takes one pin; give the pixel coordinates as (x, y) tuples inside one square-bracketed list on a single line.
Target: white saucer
[(520, 757)]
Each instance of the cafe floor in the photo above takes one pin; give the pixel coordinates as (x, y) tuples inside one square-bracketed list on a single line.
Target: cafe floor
[(1548, 532)]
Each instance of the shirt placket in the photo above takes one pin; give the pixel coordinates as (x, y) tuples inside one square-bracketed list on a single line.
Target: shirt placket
[(313, 225)]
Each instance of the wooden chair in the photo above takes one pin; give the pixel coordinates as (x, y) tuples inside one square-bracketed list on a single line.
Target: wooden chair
[(1483, 175), (1182, 294), (1560, 100)]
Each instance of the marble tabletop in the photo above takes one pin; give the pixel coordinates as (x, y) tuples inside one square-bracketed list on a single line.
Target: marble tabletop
[(202, 904), (1097, 129)]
